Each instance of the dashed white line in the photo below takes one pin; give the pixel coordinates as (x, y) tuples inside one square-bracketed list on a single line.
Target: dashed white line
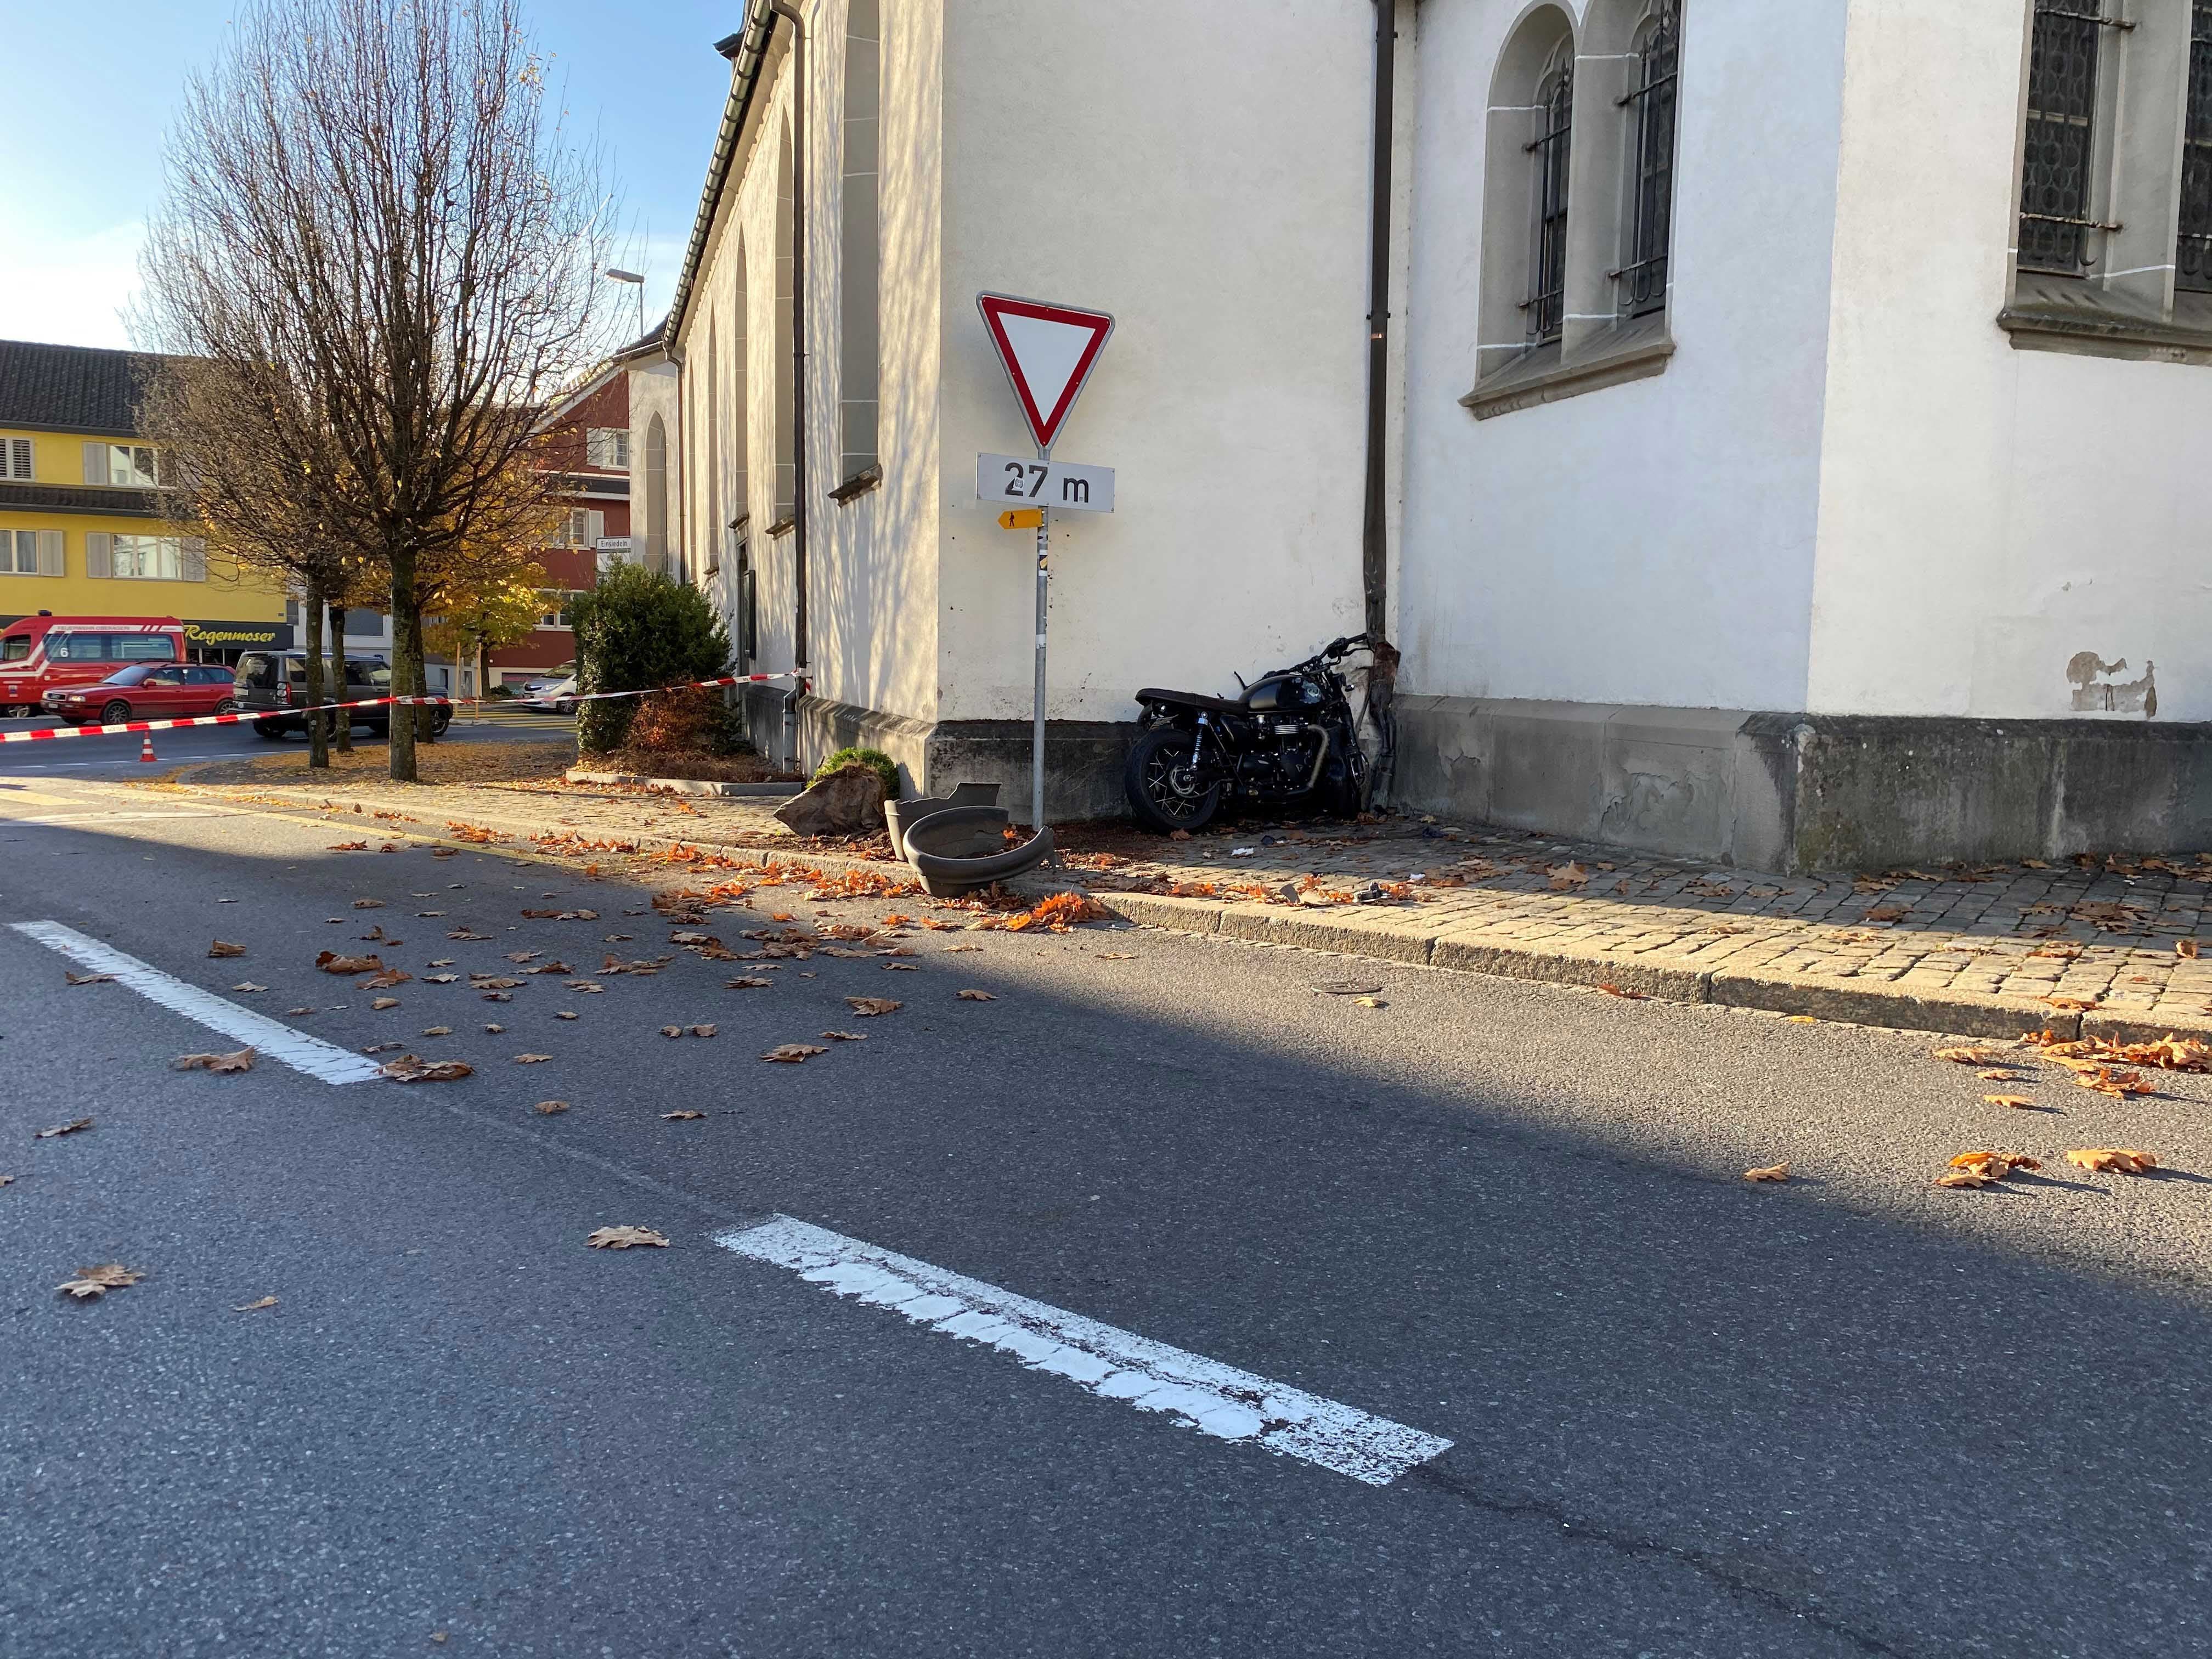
[(326, 1061), (1216, 1399)]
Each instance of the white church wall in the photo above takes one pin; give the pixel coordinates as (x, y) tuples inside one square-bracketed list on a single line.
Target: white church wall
[(1987, 513), (1649, 543), (1201, 173)]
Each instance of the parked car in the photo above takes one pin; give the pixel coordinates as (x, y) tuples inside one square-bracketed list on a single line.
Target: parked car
[(278, 681), (145, 691), (43, 654), (553, 697)]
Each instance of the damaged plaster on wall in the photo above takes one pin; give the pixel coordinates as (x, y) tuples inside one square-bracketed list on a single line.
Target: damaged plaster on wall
[(2095, 692)]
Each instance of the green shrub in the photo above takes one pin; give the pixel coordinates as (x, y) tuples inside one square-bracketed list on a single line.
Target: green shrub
[(637, 630), (886, 767)]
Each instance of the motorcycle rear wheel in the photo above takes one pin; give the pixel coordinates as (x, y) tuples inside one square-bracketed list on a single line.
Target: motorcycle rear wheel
[(1156, 779)]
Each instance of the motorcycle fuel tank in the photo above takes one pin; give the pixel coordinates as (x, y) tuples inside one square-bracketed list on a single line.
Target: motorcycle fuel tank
[(1282, 694)]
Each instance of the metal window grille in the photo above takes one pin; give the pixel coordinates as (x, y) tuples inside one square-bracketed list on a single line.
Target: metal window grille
[(2193, 249), (2060, 141), (1547, 272), (1652, 104)]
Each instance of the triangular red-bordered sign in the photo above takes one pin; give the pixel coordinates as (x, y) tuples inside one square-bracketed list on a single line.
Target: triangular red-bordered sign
[(1049, 352)]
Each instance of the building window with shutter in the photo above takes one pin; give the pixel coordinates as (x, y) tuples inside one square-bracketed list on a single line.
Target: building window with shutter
[(154, 558), (16, 457), (31, 553), (2192, 258), (128, 466)]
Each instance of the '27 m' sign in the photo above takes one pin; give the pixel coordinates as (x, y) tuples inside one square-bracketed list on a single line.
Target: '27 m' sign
[(1044, 484)]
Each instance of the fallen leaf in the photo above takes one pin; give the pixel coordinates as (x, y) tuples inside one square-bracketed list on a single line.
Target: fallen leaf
[(1999, 1075), (255, 1307), (293, 1013), (1617, 991), (368, 904), (1347, 988), (1768, 1172), (98, 1281), (492, 982), (62, 1129), (702, 1031), (1564, 875), (1980, 1168), (672, 1030), (499, 996), (408, 1069), (248, 987), (379, 1048), (2079, 1005), (437, 1031), (953, 949), (349, 847), (1888, 913), (89, 978), (977, 996), (564, 1013), (2185, 947), (1358, 1002), (439, 979), (869, 1008), (441, 962), (224, 948), (846, 1036), (550, 1108), (681, 1117), (622, 1238), (748, 984), (332, 962), (532, 1060), (1966, 1178), (242, 1060), (1968, 1056), (494, 1030), (584, 985), (2015, 1101), (524, 956), (379, 1004), (464, 933), (7, 1181), (1102, 956), (2117, 1160), (793, 1053)]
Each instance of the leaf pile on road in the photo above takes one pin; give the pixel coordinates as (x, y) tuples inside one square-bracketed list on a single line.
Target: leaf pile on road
[(241, 1060), (411, 1068), (93, 1282), (1984, 1169), (2116, 1160), (626, 1238)]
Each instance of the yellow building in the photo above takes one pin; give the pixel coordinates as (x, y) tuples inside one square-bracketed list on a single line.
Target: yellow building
[(80, 533)]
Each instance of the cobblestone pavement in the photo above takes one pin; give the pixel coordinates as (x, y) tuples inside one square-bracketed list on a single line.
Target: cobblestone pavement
[(2109, 938)]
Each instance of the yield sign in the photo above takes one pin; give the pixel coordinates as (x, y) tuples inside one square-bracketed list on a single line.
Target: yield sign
[(1049, 352)]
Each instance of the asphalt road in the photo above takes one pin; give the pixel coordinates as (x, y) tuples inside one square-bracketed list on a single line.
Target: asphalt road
[(1851, 1415), (117, 756)]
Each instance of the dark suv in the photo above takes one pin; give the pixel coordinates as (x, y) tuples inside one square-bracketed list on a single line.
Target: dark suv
[(277, 680)]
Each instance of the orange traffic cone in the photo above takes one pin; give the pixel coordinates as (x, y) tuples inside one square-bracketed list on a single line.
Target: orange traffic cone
[(146, 747)]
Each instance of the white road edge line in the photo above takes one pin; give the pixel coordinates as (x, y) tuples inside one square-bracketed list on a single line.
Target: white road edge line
[(325, 1061), (1216, 1399)]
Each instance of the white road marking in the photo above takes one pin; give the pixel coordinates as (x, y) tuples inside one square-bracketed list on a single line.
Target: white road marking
[(1218, 1399), (273, 1041), (63, 819), (14, 766)]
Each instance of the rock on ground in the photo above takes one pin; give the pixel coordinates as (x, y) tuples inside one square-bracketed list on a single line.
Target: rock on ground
[(849, 802)]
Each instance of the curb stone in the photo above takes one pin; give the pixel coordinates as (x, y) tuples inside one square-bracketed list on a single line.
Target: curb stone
[(1388, 935)]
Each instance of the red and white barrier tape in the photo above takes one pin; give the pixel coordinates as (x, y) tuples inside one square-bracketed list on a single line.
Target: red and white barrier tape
[(288, 710)]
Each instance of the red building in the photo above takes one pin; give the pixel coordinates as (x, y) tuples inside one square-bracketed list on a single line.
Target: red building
[(587, 464)]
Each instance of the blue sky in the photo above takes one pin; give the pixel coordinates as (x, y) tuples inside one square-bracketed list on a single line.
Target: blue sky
[(91, 89)]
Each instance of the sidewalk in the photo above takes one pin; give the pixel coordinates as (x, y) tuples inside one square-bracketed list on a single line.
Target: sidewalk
[(2084, 947)]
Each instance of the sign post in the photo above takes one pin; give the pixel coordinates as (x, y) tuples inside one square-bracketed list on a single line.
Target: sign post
[(1049, 352)]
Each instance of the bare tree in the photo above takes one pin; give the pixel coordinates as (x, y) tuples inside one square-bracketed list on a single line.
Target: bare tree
[(371, 213), (221, 428)]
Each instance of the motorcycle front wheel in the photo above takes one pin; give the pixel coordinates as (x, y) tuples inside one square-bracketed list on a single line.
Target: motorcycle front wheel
[(1162, 784)]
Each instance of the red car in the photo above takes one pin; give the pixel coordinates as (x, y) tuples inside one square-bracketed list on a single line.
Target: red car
[(145, 691)]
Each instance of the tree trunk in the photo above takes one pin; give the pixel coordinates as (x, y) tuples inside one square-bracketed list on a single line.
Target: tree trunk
[(319, 751), (406, 661), (337, 657)]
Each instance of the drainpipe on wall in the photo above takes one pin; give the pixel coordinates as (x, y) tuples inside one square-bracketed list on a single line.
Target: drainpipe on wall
[(1375, 543), (1374, 562), (786, 9)]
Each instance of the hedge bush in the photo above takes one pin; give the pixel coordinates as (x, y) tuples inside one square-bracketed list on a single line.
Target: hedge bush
[(886, 767), (636, 631)]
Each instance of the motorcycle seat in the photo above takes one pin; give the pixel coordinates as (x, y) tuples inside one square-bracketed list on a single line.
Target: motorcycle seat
[(1192, 700)]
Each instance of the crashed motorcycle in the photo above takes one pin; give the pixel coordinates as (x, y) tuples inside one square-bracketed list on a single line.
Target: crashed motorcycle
[(1289, 743)]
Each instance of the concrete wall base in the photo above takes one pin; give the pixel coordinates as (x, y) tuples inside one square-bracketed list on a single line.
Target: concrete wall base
[(1083, 758), (1791, 792)]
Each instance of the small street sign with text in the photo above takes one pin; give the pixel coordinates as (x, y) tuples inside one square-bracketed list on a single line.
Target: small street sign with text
[(1044, 484)]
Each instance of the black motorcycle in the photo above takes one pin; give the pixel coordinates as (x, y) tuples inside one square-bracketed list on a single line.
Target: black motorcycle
[(1290, 742)]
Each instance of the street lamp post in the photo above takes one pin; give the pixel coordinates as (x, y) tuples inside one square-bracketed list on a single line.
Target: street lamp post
[(616, 273)]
